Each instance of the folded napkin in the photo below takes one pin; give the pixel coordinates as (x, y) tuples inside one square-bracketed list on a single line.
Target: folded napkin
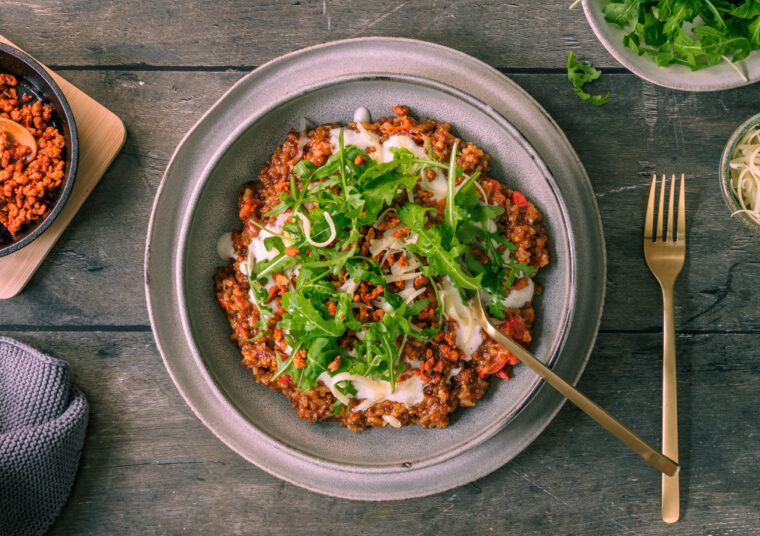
[(43, 419)]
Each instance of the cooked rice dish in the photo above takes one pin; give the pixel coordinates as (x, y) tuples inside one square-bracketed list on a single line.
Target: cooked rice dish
[(348, 282)]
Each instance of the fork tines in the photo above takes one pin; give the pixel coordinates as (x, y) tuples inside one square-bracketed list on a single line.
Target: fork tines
[(678, 235)]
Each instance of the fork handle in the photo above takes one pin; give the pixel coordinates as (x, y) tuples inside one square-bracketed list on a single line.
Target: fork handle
[(670, 484), (607, 421)]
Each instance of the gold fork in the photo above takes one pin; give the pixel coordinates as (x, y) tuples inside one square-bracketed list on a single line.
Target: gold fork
[(610, 423), (665, 257)]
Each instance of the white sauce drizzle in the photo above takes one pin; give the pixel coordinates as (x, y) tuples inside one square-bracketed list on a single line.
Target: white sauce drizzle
[(408, 392), (225, 247), (257, 251), (469, 337), (361, 115), (302, 135), (518, 298), (381, 152)]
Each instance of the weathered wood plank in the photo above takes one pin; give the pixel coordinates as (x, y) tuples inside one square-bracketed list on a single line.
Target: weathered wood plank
[(645, 129), (94, 275), (516, 34), (150, 467)]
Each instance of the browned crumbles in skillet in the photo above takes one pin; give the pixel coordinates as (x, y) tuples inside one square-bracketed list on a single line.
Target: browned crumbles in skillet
[(450, 379), (28, 190)]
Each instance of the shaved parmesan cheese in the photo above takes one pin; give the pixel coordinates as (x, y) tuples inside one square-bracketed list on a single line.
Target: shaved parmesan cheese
[(349, 286), (411, 265), (307, 229), (382, 304), (401, 277), (745, 174), (393, 421), (387, 243), (409, 294), (408, 392)]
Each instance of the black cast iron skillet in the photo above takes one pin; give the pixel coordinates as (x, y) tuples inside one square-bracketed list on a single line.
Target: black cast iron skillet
[(34, 80)]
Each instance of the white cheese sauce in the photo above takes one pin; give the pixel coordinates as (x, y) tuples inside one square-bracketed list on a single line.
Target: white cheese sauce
[(469, 337), (257, 250), (381, 151), (518, 298), (408, 392), (361, 115), (225, 247), (468, 333)]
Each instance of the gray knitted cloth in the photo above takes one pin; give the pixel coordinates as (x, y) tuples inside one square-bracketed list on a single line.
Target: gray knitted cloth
[(42, 424)]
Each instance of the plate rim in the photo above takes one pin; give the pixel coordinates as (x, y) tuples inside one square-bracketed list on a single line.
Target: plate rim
[(485, 72), (692, 80), (567, 313)]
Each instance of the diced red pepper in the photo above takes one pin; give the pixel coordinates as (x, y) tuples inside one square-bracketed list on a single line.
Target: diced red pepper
[(503, 374), (519, 200), (285, 379), (245, 207), (514, 327), (494, 367)]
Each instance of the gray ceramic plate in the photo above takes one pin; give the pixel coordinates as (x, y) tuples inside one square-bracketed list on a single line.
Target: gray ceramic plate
[(197, 202), (714, 78)]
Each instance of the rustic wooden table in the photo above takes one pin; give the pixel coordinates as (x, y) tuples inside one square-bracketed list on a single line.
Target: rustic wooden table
[(150, 467)]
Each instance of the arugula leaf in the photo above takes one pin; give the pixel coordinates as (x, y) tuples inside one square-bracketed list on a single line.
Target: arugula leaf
[(379, 190), (441, 260), (304, 321), (354, 190), (452, 217), (580, 73), (694, 33), (622, 13), (321, 353), (416, 308)]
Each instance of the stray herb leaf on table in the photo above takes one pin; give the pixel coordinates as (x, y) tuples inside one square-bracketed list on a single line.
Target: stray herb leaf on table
[(580, 73)]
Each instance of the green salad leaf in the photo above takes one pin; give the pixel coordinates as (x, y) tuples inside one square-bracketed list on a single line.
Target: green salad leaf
[(331, 208), (580, 73), (694, 33)]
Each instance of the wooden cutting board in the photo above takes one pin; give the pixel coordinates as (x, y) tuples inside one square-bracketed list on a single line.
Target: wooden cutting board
[(101, 137)]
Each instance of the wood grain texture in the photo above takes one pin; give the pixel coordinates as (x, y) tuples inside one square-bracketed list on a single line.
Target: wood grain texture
[(101, 134), (150, 467), (221, 34), (643, 129)]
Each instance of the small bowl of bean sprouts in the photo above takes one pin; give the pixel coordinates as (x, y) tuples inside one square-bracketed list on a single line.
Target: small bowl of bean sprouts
[(740, 173)]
